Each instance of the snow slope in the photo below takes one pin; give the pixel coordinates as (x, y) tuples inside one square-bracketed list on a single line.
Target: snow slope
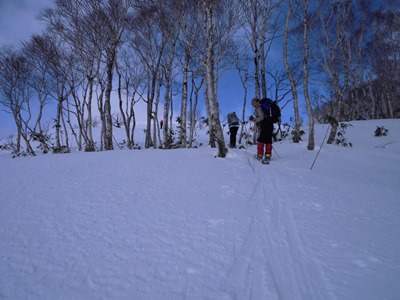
[(182, 224)]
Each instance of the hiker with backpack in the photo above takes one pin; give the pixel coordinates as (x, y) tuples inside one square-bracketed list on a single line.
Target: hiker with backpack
[(265, 123), (233, 123)]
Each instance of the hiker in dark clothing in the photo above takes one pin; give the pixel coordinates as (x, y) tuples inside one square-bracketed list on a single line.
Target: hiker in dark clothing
[(265, 129), (233, 123)]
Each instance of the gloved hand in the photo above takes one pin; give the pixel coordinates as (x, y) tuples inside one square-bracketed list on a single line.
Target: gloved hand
[(251, 118)]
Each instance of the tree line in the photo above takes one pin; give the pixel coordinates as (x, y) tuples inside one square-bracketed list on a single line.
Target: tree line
[(104, 56)]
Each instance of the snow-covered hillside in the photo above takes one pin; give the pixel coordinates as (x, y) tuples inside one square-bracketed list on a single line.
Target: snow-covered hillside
[(182, 224)]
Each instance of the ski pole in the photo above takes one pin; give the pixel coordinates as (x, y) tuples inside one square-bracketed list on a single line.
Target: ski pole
[(247, 145), (273, 148), (247, 137), (319, 150)]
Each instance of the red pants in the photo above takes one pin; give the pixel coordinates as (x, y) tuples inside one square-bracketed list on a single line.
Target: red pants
[(260, 149)]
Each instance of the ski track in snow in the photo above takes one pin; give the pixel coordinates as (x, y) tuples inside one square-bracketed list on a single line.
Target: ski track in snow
[(306, 269), (273, 244)]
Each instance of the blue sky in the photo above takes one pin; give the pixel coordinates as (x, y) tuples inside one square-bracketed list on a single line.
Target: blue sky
[(18, 19), (17, 23)]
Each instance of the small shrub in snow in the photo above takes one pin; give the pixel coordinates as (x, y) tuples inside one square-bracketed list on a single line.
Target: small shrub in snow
[(9, 145), (381, 131), (15, 154), (340, 139), (297, 134), (60, 150), (43, 138)]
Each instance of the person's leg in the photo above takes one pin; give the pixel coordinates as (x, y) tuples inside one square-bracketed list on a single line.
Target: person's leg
[(260, 150), (268, 151), (233, 131), (230, 137), (268, 139)]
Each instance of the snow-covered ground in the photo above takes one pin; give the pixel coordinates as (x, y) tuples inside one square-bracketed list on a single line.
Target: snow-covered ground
[(182, 224)]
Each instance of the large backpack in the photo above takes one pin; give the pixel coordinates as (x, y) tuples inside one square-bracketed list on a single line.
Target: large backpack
[(270, 109), (233, 119)]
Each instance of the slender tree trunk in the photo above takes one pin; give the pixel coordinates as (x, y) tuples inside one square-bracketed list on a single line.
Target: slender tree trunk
[(339, 91), (19, 133), (210, 78), (211, 132), (263, 58), (167, 103), (125, 113), (108, 141), (153, 81), (311, 144), (183, 135), (168, 97), (150, 97), (156, 126), (68, 150), (297, 122), (256, 67), (389, 103), (71, 127), (243, 80), (132, 139), (58, 123), (89, 124), (100, 106), (193, 109)]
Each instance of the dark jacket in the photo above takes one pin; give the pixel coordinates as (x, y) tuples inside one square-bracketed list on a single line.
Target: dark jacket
[(265, 125)]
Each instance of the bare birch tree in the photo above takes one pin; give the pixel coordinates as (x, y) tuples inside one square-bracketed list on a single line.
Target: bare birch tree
[(130, 91), (291, 77), (16, 92), (242, 64), (112, 19), (193, 107), (306, 24), (148, 40), (332, 19), (210, 13), (37, 51), (73, 23), (173, 12)]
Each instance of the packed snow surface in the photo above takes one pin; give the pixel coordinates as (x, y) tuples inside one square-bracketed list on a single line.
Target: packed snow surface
[(182, 224)]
